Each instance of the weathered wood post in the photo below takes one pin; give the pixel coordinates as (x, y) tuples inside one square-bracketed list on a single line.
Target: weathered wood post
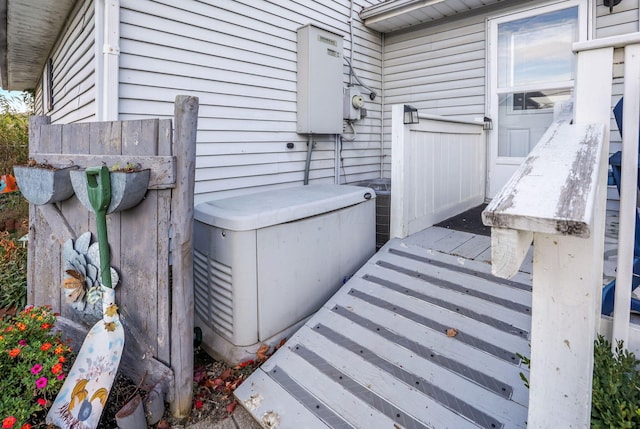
[(185, 128)]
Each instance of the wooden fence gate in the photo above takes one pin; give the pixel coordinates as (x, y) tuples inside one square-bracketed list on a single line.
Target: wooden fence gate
[(150, 244)]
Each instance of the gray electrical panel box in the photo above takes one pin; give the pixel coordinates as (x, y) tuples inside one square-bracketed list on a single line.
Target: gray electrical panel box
[(320, 81)]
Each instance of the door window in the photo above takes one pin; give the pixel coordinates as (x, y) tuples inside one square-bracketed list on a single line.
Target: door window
[(536, 68)]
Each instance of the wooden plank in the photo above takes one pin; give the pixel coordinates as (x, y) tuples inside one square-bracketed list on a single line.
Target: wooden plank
[(162, 168), (265, 397), (408, 360), (407, 397), (563, 163), (75, 140), (60, 228), (477, 265), (51, 138), (473, 247), (468, 281), (47, 265), (495, 310), (451, 241), (186, 120), (509, 247), (446, 317), (105, 138), (139, 231), (427, 237), (164, 218), (35, 126), (330, 393)]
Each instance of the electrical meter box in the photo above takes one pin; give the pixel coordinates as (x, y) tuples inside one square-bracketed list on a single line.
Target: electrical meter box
[(320, 81)]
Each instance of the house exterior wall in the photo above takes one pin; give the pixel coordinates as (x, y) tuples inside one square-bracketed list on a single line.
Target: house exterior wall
[(73, 80), (441, 69), (239, 58)]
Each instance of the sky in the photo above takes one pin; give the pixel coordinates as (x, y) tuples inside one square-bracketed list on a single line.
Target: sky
[(17, 97)]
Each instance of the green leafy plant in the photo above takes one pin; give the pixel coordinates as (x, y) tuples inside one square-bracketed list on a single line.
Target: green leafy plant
[(615, 401), (525, 361), (13, 272), (616, 387), (14, 135), (33, 364)]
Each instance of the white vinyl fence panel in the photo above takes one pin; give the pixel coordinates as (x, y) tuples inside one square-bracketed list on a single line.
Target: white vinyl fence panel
[(438, 171)]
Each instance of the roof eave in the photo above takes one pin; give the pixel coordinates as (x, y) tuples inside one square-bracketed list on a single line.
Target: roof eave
[(22, 58)]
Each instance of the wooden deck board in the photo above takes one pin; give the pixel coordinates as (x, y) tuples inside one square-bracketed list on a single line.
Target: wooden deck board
[(377, 354)]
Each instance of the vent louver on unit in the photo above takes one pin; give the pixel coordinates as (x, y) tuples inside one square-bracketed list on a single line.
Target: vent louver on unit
[(213, 298)]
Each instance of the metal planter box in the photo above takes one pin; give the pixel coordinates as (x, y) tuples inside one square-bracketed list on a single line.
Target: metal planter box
[(41, 185), (127, 188)]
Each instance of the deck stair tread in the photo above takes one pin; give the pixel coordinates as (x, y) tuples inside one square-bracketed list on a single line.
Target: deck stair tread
[(377, 354)]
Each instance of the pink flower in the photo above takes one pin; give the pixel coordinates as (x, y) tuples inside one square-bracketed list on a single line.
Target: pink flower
[(41, 383), (60, 376), (22, 343), (36, 369)]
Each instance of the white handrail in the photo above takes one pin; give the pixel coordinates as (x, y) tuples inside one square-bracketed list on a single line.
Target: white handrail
[(558, 199)]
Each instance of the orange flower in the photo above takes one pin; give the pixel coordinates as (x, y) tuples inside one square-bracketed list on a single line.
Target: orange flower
[(21, 326), (14, 352), (56, 368), (62, 359), (8, 422), (8, 329), (45, 326), (26, 426), (45, 347), (59, 350)]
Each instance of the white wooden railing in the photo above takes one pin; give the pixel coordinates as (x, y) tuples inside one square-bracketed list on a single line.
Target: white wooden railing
[(437, 170), (557, 200)]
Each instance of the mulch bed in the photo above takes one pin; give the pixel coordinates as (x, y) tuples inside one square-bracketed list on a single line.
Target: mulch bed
[(213, 382)]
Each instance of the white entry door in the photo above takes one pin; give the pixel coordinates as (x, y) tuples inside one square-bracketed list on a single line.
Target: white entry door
[(531, 68)]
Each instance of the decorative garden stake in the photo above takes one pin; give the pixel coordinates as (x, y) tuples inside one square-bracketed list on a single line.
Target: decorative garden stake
[(7, 184), (80, 402), (81, 283)]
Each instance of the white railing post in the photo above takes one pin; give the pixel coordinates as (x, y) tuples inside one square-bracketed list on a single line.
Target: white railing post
[(399, 134), (628, 193), (558, 197)]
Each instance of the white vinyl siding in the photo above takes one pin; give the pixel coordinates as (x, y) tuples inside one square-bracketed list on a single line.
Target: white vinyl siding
[(623, 19), (440, 70), (239, 58), (73, 70)]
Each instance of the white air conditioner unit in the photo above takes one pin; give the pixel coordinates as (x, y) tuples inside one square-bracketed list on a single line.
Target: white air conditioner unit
[(264, 262)]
